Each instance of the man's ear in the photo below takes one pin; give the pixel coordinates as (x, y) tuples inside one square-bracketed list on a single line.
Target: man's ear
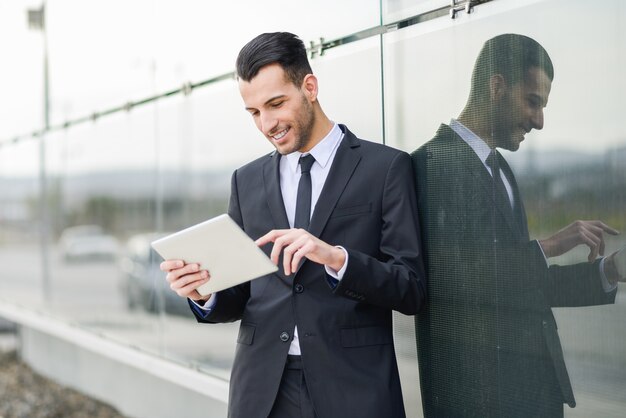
[(497, 87), (309, 87)]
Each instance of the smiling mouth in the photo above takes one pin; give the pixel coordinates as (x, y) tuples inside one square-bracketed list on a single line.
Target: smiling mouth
[(280, 135)]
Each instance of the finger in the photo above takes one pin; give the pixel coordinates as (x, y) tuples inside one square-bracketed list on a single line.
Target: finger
[(592, 242), (175, 274), (302, 252), (286, 237), (169, 265), (605, 227), (279, 243), (601, 249), (186, 284), (271, 236), (608, 229), (595, 232), (598, 228), (289, 252)]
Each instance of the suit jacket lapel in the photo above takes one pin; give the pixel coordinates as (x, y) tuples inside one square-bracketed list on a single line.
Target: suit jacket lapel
[(520, 212), (343, 166), (271, 179), (482, 177)]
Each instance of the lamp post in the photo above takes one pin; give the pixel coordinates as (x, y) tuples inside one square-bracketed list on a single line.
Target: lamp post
[(37, 21)]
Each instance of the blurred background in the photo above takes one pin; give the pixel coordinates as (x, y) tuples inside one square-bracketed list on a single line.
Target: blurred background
[(120, 121)]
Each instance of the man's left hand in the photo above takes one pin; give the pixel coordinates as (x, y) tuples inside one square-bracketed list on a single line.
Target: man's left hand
[(298, 243)]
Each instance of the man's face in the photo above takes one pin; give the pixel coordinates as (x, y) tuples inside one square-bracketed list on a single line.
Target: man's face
[(281, 110), (519, 109)]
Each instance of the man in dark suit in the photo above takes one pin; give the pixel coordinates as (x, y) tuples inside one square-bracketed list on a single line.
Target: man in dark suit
[(488, 343), (316, 337)]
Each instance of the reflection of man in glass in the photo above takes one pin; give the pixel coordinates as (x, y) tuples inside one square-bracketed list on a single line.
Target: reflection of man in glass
[(488, 343)]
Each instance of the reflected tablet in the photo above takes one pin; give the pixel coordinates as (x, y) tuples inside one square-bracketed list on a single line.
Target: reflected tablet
[(222, 248)]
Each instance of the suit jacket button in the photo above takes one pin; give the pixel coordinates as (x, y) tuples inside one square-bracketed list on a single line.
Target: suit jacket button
[(545, 324), (284, 336), (299, 288)]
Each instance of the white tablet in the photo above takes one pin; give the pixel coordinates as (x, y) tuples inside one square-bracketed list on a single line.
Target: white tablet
[(222, 248)]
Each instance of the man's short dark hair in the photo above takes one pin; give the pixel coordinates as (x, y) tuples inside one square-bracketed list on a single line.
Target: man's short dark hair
[(510, 55), (282, 48)]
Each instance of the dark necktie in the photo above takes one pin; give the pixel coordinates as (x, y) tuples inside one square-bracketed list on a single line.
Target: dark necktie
[(303, 201), (500, 194)]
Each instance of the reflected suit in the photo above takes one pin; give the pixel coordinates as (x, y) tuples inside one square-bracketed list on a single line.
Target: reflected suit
[(488, 343), (367, 205)]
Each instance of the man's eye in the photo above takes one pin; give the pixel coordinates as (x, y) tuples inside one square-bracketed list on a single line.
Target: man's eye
[(276, 105), (534, 103)]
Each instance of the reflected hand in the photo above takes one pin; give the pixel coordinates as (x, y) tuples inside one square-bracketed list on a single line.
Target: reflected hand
[(298, 243), (184, 279), (589, 233)]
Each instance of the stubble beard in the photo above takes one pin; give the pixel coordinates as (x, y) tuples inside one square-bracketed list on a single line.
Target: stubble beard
[(304, 127)]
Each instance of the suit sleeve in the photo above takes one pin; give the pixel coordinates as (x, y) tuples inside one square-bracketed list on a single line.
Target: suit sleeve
[(395, 279), (230, 303), (573, 285), (578, 285)]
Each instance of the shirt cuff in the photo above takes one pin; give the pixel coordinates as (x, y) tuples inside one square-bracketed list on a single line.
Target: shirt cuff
[(338, 275), (608, 287), (208, 305)]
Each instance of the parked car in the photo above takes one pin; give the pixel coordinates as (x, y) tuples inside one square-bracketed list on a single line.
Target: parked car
[(87, 243), (143, 284)]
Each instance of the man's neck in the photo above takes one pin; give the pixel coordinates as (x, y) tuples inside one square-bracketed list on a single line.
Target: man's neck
[(322, 127), (476, 122)]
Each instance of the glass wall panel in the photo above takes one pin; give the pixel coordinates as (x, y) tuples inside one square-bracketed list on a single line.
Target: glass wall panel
[(350, 84), (22, 75), (160, 44), (21, 279), (494, 305), (394, 10)]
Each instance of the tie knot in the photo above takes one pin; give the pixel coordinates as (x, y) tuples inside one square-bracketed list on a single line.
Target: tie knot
[(493, 161), (306, 162)]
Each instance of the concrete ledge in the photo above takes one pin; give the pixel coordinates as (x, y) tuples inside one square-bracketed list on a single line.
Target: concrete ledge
[(138, 384)]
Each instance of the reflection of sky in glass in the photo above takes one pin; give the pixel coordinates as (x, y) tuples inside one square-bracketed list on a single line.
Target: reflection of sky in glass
[(428, 69), (105, 53)]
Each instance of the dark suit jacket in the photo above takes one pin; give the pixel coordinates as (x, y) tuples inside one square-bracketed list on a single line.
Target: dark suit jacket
[(488, 342), (367, 206)]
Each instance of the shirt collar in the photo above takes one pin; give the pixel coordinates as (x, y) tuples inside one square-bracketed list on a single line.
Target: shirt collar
[(479, 146), (322, 151)]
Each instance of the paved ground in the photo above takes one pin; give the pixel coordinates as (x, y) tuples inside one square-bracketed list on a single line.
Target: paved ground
[(24, 394), (88, 295)]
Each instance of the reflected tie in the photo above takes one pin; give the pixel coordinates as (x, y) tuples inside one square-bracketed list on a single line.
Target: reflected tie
[(303, 202), (500, 194)]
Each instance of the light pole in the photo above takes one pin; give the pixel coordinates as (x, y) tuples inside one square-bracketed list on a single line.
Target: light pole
[(37, 21)]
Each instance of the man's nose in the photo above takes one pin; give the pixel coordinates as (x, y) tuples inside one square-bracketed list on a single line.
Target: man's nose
[(537, 119), (268, 123)]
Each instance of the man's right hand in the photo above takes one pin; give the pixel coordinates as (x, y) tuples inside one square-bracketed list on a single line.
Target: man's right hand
[(184, 279), (589, 233)]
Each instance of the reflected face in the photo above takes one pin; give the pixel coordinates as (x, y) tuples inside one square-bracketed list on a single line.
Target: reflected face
[(519, 109), (281, 110)]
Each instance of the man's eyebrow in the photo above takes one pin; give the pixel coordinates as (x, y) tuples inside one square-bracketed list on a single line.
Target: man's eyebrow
[(280, 96)]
